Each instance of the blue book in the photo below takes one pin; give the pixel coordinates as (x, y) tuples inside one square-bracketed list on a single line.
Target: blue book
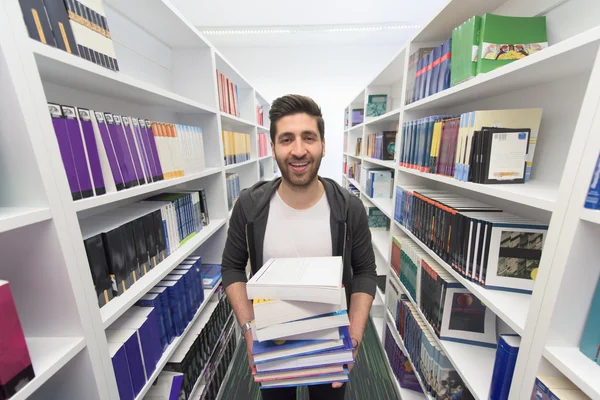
[(592, 201), (446, 58), (590, 339), (129, 340), (427, 75), (164, 309), (176, 309), (435, 70), (120, 366), (420, 78), (211, 273), (308, 381), (504, 366)]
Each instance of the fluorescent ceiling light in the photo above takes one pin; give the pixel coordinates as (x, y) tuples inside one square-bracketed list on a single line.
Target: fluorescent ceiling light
[(264, 30)]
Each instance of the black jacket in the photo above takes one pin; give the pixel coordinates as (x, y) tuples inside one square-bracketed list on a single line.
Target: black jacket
[(350, 235)]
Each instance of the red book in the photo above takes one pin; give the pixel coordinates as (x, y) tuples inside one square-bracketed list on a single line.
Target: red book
[(220, 89), (15, 364), (236, 108)]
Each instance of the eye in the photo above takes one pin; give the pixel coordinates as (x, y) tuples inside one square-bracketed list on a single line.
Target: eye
[(285, 140), (310, 138)]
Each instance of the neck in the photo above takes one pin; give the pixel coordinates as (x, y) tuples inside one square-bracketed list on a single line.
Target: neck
[(303, 197)]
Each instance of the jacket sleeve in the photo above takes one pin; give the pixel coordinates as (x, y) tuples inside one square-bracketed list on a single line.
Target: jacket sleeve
[(235, 254), (364, 271)]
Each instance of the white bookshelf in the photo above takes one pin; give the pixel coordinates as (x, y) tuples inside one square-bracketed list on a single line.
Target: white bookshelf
[(550, 320), (167, 73)]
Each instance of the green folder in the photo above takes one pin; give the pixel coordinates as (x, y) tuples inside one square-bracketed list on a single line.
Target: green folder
[(506, 39), (465, 48), (377, 105)]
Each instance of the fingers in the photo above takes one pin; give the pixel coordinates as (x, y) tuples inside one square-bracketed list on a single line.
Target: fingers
[(336, 385)]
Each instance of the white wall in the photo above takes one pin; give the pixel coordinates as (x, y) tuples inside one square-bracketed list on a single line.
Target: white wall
[(331, 75)]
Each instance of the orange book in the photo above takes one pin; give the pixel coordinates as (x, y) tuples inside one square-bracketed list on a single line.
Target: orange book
[(220, 89), (235, 101)]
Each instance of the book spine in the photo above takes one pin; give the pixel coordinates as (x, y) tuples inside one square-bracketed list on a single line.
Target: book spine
[(62, 137), (91, 148), (117, 138), (78, 151), (592, 200)]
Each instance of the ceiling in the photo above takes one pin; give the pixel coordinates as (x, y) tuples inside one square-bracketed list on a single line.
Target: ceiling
[(354, 22)]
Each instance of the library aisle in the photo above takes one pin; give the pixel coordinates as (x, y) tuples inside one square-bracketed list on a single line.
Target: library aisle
[(128, 130)]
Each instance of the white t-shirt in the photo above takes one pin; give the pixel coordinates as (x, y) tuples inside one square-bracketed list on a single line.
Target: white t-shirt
[(297, 233)]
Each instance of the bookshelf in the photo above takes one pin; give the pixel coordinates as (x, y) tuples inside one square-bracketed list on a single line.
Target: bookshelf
[(550, 320), (167, 73)]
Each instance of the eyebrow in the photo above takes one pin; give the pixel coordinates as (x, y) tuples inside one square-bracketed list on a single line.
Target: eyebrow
[(282, 134)]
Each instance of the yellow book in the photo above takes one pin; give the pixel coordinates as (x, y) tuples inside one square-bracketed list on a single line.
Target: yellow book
[(435, 146)]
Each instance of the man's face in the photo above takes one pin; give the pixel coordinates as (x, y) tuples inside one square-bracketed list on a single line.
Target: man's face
[(298, 149)]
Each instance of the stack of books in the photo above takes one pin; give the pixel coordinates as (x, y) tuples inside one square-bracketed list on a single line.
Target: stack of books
[(300, 326), (381, 145), (228, 95), (236, 147)]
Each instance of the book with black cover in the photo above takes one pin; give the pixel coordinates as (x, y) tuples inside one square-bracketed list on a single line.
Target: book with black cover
[(37, 22), (61, 27)]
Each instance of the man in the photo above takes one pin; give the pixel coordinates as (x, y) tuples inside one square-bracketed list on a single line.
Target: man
[(299, 215)]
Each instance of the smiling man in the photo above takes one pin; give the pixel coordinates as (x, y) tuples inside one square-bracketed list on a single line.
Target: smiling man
[(299, 215)]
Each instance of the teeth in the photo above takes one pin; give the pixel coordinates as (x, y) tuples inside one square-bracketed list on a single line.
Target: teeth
[(299, 165)]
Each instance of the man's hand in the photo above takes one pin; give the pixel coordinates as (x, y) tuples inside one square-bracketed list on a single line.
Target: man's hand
[(355, 343), (249, 343)]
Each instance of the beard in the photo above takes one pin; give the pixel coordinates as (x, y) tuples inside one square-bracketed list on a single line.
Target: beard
[(303, 179)]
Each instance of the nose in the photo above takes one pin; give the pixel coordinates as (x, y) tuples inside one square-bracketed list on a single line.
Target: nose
[(298, 149)]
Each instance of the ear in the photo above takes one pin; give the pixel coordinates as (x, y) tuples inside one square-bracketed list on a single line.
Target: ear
[(273, 149), (323, 151)]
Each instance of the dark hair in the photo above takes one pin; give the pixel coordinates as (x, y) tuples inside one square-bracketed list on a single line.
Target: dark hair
[(291, 104)]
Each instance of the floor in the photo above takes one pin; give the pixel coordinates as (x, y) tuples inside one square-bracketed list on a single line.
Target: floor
[(369, 378)]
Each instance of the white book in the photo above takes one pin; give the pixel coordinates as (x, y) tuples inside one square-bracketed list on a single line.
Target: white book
[(315, 279), (325, 334), (314, 380), (315, 360), (334, 320), (274, 312), (307, 348), (271, 376)]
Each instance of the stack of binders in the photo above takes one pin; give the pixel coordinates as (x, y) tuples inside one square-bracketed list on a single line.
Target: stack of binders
[(300, 326)]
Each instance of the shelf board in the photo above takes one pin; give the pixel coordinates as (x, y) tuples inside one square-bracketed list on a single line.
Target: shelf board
[(378, 322), (230, 212), (236, 121), (590, 215), (390, 116), (353, 182), (117, 306), (382, 241), (161, 20), (352, 156), (206, 309), (264, 128), (355, 127), (108, 198), (582, 371), (474, 364), (48, 355), (385, 164), (59, 67), (240, 164), (539, 195), (264, 157), (545, 66), (390, 323), (385, 205), (18, 217), (512, 308)]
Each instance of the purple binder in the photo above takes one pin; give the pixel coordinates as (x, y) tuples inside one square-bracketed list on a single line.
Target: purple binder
[(118, 140), (154, 150), (62, 136), (81, 166), (146, 133), (133, 150), (110, 151), (135, 125), (85, 119), (119, 362)]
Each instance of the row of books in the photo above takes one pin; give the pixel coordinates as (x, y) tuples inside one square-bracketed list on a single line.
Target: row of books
[(358, 147), (353, 190), (353, 167), (135, 349), (376, 182), (228, 95), (236, 147), (358, 116), (300, 326), (122, 245), (469, 148), (381, 145), (377, 219), (479, 45), (263, 144), (219, 364), (400, 364), (17, 371), (196, 352), (556, 388), (77, 27), (452, 312), (439, 376), (592, 200), (233, 188), (590, 338), (105, 152), (485, 245), (260, 115)]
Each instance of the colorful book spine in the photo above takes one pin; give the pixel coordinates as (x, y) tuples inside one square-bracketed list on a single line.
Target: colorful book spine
[(592, 200)]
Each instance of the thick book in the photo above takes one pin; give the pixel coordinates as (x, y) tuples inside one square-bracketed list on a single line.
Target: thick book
[(117, 140), (316, 279), (79, 156), (271, 350), (504, 366), (15, 364), (298, 373), (61, 27), (307, 325), (94, 248), (118, 357), (328, 358), (446, 60), (590, 339), (86, 126), (307, 381), (324, 334), (37, 22), (273, 312), (506, 39), (465, 48), (109, 164), (129, 340), (167, 387)]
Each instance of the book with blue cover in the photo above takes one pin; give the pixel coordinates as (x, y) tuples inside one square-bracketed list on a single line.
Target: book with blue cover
[(445, 66), (590, 339), (504, 366), (592, 200), (319, 380)]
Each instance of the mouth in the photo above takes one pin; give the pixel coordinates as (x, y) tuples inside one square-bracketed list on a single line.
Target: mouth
[(299, 167)]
